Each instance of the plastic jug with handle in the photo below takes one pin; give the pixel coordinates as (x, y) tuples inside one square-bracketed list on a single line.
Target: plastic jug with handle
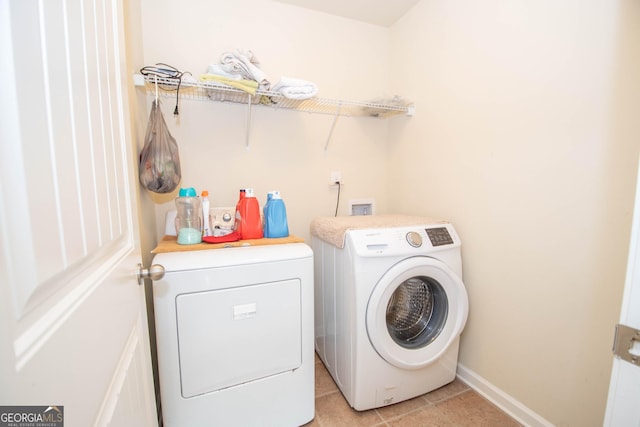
[(248, 221), (189, 217), (275, 220)]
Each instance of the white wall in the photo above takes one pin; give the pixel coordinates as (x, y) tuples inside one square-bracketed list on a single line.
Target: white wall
[(527, 132), (346, 59)]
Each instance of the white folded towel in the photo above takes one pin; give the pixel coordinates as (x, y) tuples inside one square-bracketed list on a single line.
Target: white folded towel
[(245, 64), (293, 88)]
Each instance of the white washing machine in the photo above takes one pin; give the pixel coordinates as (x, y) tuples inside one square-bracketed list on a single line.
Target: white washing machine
[(234, 330), (390, 306)]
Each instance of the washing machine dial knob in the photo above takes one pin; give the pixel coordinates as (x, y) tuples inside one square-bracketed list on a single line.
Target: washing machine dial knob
[(414, 239)]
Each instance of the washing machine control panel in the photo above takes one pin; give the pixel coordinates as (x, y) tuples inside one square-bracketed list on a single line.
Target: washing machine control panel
[(402, 240), (414, 239), (439, 236)]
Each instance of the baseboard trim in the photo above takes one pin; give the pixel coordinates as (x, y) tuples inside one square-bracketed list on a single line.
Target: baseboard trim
[(502, 400)]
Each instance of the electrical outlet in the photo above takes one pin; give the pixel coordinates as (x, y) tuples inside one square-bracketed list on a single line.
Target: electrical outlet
[(336, 177)]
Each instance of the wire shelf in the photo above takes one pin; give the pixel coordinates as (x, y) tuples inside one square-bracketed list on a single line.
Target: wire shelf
[(213, 91)]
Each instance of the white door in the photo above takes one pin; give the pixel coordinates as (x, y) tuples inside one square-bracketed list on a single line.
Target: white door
[(72, 318), (624, 389)]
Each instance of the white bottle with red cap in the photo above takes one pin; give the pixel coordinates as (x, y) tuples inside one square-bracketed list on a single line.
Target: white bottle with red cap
[(206, 214)]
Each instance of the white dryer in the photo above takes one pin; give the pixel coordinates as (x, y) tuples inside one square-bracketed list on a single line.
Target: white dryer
[(390, 306), (234, 332)]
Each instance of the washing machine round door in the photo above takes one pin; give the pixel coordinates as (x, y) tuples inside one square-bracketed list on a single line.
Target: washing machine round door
[(416, 311)]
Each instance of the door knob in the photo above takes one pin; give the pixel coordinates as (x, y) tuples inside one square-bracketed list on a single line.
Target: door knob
[(155, 272)]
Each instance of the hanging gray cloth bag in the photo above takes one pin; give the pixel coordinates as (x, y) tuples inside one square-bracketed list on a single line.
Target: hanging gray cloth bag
[(159, 159)]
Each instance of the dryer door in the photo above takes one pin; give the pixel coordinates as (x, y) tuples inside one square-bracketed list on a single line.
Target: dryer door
[(416, 311)]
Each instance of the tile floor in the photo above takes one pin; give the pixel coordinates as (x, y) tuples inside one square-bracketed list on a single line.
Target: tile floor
[(452, 405)]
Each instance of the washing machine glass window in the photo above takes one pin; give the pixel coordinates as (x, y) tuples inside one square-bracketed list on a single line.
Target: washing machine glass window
[(417, 312), (442, 319)]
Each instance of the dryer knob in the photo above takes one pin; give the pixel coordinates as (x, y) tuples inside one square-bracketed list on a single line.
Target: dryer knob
[(414, 239)]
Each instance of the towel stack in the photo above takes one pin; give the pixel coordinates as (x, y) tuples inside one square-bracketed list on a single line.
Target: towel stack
[(239, 69), (246, 65)]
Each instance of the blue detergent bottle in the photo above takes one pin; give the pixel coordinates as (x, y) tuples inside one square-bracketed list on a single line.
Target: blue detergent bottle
[(276, 217)]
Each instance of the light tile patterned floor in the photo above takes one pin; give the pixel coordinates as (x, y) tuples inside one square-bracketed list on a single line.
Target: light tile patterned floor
[(452, 405)]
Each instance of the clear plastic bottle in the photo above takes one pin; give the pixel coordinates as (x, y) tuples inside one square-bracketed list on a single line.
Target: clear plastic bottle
[(276, 217), (189, 217)]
